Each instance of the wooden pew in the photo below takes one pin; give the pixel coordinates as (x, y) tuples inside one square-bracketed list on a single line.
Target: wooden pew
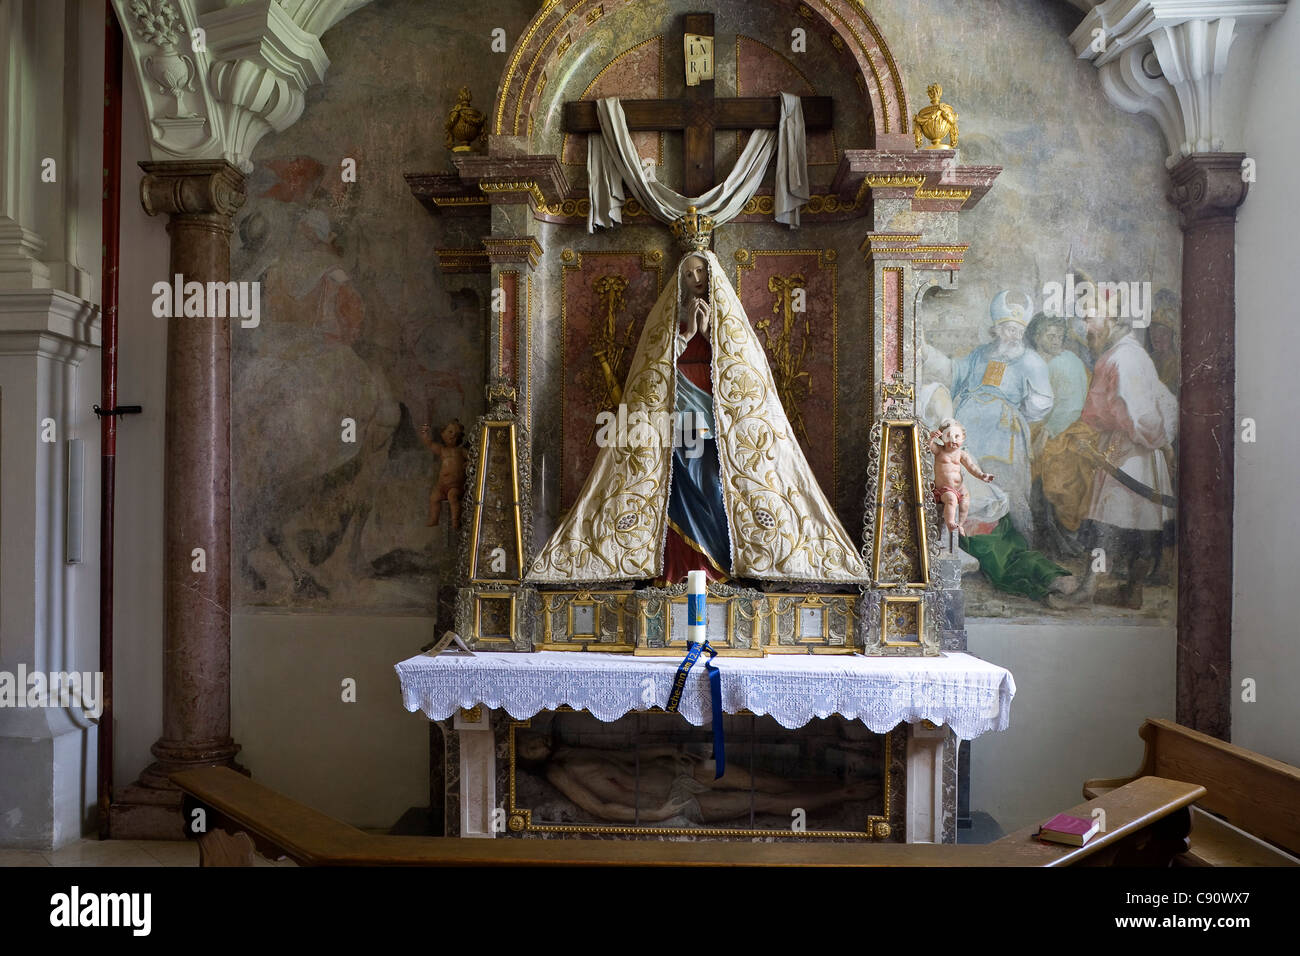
[(1256, 798), (1147, 824)]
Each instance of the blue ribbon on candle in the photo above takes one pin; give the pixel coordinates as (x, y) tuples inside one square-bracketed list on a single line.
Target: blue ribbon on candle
[(715, 691), (715, 688), (679, 681)]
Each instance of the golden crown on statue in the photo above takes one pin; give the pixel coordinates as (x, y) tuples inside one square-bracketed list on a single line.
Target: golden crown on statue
[(693, 231)]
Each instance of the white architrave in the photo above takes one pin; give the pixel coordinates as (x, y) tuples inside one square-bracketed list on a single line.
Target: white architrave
[(216, 78), (1167, 58), (49, 264), (42, 78)]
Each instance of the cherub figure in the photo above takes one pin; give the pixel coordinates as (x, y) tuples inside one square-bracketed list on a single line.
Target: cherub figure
[(949, 459), (451, 476)]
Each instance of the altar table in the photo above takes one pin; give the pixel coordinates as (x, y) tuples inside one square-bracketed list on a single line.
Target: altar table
[(941, 699)]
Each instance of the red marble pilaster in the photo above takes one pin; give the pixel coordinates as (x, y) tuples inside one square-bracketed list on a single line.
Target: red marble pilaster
[(200, 199), (507, 325), (1207, 189)]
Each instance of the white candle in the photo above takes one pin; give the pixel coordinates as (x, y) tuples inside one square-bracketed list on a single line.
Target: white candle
[(695, 612)]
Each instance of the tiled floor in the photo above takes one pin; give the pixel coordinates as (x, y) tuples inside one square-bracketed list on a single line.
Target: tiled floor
[(91, 852)]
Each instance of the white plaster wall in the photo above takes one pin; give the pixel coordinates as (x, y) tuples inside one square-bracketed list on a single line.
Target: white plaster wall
[(1081, 695), (137, 551), (1266, 552), (86, 249), (83, 578), (50, 798)]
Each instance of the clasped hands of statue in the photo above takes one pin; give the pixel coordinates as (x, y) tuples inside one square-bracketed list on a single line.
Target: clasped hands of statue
[(697, 319)]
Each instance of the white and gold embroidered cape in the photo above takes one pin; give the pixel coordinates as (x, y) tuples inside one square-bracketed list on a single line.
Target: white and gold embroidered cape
[(781, 526)]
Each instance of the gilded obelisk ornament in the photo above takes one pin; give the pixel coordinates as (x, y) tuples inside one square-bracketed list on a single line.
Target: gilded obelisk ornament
[(464, 124), (935, 121)]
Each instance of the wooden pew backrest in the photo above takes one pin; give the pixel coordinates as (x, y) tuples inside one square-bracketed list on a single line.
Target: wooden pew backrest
[(1256, 793)]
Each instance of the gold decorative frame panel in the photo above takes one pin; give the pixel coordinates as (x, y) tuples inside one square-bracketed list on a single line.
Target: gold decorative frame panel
[(597, 319), (496, 620), (900, 554), (817, 385), (900, 624), (833, 614), (746, 621), (496, 525), (902, 621), (587, 621)]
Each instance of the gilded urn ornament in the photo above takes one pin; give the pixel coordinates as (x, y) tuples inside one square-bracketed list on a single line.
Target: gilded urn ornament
[(464, 124), (935, 121)]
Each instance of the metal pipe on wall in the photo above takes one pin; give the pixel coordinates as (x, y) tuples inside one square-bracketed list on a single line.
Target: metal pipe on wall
[(108, 389)]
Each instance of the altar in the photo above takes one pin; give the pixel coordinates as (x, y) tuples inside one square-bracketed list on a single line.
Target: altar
[(700, 292), (885, 730)]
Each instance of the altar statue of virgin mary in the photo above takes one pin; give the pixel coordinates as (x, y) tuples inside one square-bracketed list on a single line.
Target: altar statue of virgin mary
[(734, 495)]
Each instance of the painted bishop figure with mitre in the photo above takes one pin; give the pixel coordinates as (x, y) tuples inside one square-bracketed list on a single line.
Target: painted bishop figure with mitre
[(734, 496)]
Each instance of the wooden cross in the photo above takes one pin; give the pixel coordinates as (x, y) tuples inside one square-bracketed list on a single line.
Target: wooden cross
[(698, 114)]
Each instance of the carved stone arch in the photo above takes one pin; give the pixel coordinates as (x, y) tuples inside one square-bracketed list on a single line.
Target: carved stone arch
[(539, 55)]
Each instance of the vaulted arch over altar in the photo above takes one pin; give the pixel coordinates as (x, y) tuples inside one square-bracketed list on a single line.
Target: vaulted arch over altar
[(562, 40)]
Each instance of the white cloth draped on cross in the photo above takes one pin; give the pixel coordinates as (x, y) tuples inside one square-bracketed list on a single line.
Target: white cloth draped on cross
[(612, 161)]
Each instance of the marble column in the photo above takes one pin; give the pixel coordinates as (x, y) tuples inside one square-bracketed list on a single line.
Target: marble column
[(200, 199), (1207, 189)]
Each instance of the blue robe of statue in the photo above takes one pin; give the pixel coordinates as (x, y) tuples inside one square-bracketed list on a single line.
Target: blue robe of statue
[(695, 507)]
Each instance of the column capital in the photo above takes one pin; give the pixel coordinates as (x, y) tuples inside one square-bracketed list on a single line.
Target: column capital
[(1167, 59), (191, 187), (1208, 187), (216, 78)]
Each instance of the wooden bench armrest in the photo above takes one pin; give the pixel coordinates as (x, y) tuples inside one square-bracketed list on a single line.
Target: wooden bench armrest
[(1255, 793), (1216, 842), (1144, 802), (278, 825), (1095, 788)]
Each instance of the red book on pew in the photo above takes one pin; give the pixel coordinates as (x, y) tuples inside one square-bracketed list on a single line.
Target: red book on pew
[(1072, 831)]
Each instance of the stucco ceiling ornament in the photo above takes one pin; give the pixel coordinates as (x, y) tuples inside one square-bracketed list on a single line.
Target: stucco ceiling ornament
[(215, 78), (158, 21), (1167, 59), (172, 71)]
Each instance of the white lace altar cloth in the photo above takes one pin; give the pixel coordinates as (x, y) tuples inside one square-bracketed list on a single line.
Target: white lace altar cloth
[(969, 695)]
